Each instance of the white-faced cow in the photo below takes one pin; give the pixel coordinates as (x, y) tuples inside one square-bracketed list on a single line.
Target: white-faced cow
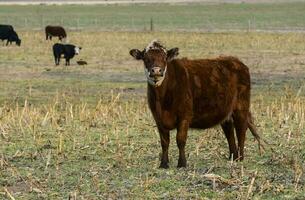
[(68, 51), (8, 33), (199, 93)]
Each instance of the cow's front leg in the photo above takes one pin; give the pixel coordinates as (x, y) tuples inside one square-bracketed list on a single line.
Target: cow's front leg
[(164, 137), (57, 59), (181, 140)]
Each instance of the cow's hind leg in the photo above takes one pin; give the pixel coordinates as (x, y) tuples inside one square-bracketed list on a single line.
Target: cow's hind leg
[(181, 141), (240, 118), (228, 129), (165, 139)]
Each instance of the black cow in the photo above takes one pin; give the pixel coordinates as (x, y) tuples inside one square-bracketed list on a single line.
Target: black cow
[(8, 33), (67, 50)]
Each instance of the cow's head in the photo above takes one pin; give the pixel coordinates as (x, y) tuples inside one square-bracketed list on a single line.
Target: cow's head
[(77, 50), (18, 42), (155, 58), (14, 37)]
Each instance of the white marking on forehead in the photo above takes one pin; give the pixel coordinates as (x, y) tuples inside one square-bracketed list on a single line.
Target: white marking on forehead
[(151, 44), (76, 49), (155, 44)]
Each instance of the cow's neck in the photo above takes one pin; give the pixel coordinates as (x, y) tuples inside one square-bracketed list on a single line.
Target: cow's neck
[(160, 91)]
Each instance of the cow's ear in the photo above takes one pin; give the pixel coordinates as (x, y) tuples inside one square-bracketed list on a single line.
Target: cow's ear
[(172, 53), (137, 54)]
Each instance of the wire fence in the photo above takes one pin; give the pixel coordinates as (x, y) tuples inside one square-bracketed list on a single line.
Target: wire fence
[(143, 24)]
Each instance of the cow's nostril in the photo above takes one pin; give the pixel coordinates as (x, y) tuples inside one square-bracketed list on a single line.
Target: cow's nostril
[(156, 70)]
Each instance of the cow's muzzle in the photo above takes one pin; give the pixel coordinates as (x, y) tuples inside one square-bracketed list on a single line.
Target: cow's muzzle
[(156, 72), (155, 76)]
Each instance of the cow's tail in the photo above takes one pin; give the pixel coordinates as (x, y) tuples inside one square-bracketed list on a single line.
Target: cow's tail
[(257, 137)]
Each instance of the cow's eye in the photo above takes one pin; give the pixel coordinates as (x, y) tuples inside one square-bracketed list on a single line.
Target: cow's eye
[(147, 61)]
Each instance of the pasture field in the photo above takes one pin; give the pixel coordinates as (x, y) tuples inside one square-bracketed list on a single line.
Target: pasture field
[(85, 132), (166, 17)]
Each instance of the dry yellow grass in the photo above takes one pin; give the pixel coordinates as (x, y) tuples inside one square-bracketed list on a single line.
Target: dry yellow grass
[(86, 132)]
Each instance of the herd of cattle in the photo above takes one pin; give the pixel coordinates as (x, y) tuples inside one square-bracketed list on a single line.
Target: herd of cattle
[(182, 93), (68, 51)]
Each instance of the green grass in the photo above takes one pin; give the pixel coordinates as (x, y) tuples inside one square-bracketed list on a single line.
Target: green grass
[(86, 131), (206, 17)]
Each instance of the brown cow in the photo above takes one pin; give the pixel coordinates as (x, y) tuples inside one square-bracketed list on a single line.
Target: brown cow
[(56, 31), (201, 93)]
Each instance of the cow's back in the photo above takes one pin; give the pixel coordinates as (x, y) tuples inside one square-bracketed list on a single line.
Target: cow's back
[(6, 27), (5, 31), (55, 31)]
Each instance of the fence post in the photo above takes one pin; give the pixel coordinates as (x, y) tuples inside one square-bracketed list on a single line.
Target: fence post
[(249, 25), (151, 24), (25, 23), (132, 24), (42, 22), (77, 24)]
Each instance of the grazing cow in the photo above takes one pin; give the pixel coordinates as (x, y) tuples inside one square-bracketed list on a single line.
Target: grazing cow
[(200, 93), (8, 33), (67, 50), (56, 31)]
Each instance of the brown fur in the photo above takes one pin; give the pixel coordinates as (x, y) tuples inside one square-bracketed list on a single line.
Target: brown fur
[(199, 94), (55, 31)]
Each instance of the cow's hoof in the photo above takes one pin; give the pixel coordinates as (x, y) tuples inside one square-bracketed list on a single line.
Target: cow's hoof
[(164, 166), (181, 166), (181, 163)]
